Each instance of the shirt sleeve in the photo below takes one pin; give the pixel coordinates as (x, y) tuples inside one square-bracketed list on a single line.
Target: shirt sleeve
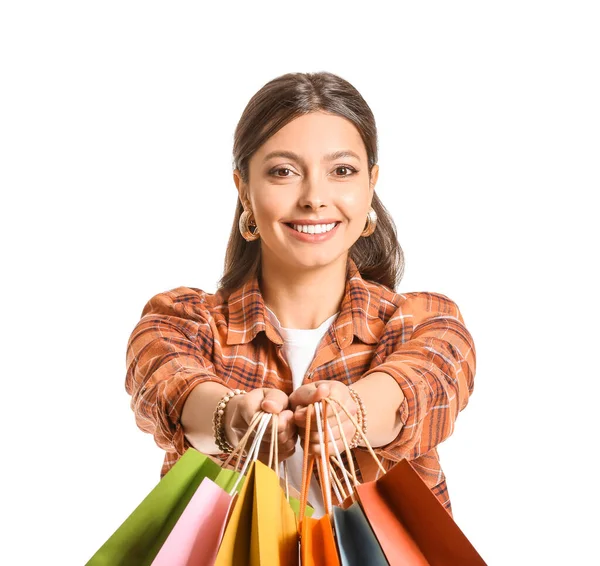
[(168, 353), (434, 365)]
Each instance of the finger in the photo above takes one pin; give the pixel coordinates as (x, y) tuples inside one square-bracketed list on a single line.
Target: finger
[(300, 418), (315, 449), (321, 392), (286, 435), (249, 404), (301, 396), (339, 391), (289, 446), (285, 420), (300, 412), (286, 427), (284, 454), (309, 394), (274, 401)]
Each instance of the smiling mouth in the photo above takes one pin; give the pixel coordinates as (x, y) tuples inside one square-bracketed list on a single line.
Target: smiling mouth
[(291, 225)]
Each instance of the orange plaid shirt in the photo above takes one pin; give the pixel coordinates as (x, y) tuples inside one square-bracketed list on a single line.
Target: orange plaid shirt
[(187, 336)]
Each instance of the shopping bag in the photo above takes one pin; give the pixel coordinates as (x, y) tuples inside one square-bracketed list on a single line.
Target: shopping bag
[(407, 519), (196, 536), (140, 537), (318, 546), (317, 542), (262, 527), (411, 524), (356, 543)]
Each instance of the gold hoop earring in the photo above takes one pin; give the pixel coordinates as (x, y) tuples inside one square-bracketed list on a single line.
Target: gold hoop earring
[(371, 223), (244, 226)]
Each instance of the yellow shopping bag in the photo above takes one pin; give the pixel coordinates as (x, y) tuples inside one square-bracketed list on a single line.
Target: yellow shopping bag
[(262, 529)]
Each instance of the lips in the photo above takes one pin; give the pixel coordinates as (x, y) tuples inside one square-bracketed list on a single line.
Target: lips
[(312, 238)]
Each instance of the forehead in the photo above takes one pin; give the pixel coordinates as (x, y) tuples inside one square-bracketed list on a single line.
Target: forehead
[(314, 135)]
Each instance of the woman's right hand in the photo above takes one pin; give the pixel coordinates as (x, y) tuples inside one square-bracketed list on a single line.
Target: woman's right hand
[(240, 410)]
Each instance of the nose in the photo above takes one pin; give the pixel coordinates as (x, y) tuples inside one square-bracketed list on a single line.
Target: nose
[(314, 193)]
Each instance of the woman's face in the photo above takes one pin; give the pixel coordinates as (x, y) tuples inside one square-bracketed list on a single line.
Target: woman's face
[(308, 184)]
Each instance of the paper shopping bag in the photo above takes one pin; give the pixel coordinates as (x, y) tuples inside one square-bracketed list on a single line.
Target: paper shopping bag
[(140, 537), (410, 523), (196, 536), (356, 543), (318, 546), (262, 527)]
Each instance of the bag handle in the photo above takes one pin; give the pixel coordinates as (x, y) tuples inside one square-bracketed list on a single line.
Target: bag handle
[(254, 448), (257, 424), (323, 464), (239, 449), (360, 431), (309, 461), (338, 461), (307, 467)]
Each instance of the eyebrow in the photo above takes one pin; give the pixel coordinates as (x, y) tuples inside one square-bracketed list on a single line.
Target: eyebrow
[(328, 157)]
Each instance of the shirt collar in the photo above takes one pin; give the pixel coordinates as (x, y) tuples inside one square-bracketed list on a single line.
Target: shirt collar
[(359, 312)]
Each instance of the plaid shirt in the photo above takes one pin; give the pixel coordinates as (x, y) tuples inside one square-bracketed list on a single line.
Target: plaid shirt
[(187, 336)]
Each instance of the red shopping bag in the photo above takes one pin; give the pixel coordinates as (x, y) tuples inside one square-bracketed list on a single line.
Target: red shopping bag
[(411, 525)]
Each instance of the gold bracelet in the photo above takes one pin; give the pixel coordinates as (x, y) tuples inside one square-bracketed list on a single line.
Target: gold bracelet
[(218, 421), (361, 420)]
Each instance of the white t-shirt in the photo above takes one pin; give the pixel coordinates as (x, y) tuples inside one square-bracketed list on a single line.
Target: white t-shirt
[(299, 349)]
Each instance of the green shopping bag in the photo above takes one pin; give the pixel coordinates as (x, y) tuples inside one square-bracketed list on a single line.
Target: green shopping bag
[(140, 537)]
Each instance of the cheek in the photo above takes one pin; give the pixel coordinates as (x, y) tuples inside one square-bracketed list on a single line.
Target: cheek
[(267, 209), (354, 206)]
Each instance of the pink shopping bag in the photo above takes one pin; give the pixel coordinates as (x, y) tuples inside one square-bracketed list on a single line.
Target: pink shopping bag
[(197, 534)]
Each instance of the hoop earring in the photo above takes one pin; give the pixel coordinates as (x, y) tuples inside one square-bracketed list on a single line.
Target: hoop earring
[(244, 226), (371, 223)]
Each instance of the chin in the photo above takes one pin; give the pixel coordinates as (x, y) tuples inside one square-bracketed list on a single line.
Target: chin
[(313, 261)]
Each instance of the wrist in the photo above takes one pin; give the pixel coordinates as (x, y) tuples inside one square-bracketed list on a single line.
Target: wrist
[(219, 421), (197, 412), (383, 398), (361, 419)]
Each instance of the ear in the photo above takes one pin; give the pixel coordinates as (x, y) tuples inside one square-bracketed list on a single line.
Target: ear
[(374, 177), (241, 187)]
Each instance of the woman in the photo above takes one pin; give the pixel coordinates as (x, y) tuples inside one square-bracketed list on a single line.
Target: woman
[(306, 307)]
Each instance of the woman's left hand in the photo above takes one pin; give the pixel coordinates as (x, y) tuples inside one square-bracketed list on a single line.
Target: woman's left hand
[(314, 392)]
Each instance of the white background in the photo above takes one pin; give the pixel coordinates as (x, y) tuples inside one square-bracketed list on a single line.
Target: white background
[(116, 129)]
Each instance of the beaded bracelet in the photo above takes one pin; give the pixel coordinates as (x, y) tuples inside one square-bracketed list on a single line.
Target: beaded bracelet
[(218, 428), (361, 420)]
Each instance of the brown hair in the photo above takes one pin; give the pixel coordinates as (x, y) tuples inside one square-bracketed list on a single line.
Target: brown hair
[(379, 256)]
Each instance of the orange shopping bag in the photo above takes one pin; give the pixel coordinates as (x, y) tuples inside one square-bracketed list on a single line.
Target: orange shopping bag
[(317, 542)]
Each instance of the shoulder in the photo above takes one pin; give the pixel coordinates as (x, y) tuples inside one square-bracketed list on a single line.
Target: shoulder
[(430, 302), (189, 303), (414, 307)]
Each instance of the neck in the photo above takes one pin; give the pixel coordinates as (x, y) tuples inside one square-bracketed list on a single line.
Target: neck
[(303, 298)]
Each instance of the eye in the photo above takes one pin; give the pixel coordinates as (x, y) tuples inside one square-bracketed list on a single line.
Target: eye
[(277, 169), (346, 167)]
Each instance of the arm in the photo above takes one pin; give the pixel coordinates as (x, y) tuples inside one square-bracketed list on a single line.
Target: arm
[(173, 383), (166, 361), (434, 366), (382, 399)]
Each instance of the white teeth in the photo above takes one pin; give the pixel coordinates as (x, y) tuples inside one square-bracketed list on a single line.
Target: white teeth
[(313, 228)]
